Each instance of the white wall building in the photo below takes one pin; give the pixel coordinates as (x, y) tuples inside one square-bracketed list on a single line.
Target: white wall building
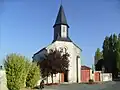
[(63, 42), (3, 80)]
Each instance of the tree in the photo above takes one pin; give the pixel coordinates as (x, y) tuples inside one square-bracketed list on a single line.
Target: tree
[(15, 69), (98, 55), (54, 62), (114, 55), (33, 75), (99, 65), (119, 36), (20, 72), (26, 71), (44, 67), (118, 53), (107, 53), (111, 54)]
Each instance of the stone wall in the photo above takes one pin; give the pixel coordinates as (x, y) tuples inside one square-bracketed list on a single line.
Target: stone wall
[(3, 81), (106, 76)]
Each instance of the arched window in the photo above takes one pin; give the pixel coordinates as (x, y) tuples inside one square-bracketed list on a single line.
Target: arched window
[(64, 32), (63, 29)]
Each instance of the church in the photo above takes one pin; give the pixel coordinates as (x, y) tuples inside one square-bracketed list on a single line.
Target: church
[(62, 41)]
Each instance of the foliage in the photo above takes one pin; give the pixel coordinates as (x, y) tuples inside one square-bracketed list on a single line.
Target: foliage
[(54, 62), (33, 75), (91, 81), (26, 71), (111, 54), (1, 67), (99, 65), (15, 69), (20, 71), (98, 57), (98, 54), (118, 53)]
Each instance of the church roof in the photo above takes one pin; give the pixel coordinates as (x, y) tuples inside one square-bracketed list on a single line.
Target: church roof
[(77, 46), (63, 39), (61, 18), (40, 51)]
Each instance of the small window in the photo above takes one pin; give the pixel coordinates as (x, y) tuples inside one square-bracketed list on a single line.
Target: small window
[(63, 29), (64, 32)]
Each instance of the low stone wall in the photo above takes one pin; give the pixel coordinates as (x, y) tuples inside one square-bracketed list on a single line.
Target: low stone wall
[(3, 81), (106, 76)]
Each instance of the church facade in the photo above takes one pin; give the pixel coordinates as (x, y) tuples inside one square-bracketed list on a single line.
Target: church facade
[(63, 42)]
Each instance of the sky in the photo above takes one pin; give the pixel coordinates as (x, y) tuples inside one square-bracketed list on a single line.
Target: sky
[(26, 26)]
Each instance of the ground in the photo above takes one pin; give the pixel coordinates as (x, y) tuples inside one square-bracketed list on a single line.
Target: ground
[(106, 86)]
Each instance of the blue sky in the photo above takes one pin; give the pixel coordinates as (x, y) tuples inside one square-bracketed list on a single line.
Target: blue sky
[(26, 26)]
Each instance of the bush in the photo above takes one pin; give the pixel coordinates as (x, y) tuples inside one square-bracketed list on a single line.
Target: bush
[(26, 71), (15, 71), (33, 75), (91, 81)]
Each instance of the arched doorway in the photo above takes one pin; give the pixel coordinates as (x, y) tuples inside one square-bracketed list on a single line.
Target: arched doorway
[(77, 66), (66, 76)]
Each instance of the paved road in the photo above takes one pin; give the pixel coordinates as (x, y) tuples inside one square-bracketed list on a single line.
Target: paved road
[(106, 86)]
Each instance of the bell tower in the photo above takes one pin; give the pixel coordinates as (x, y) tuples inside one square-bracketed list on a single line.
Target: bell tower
[(61, 26)]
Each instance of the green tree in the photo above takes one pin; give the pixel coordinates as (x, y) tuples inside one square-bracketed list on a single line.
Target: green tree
[(111, 54), (106, 53), (26, 71), (15, 69), (33, 75), (119, 36), (113, 58), (98, 55), (118, 53)]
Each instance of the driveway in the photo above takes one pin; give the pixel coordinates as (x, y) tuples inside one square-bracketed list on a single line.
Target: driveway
[(106, 86)]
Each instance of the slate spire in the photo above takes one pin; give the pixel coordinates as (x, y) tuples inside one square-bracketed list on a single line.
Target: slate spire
[(61, 18)]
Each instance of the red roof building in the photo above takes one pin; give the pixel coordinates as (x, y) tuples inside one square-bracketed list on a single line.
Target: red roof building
[(85, 73)]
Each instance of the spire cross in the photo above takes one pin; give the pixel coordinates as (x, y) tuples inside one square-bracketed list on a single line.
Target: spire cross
[(61, 2)]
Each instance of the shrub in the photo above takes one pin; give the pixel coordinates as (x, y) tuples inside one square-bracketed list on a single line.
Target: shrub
[(15, 71), (26, 71), (33, 75), (91, 81)]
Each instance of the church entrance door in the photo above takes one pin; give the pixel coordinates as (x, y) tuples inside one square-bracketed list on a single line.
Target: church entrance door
[(66, 76), (77, 68)]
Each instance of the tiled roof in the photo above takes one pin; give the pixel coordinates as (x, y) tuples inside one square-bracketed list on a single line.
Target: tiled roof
[(85, 67)]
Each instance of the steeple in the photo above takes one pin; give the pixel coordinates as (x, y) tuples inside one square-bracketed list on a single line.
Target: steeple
[(61, 27), (61, 18)]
